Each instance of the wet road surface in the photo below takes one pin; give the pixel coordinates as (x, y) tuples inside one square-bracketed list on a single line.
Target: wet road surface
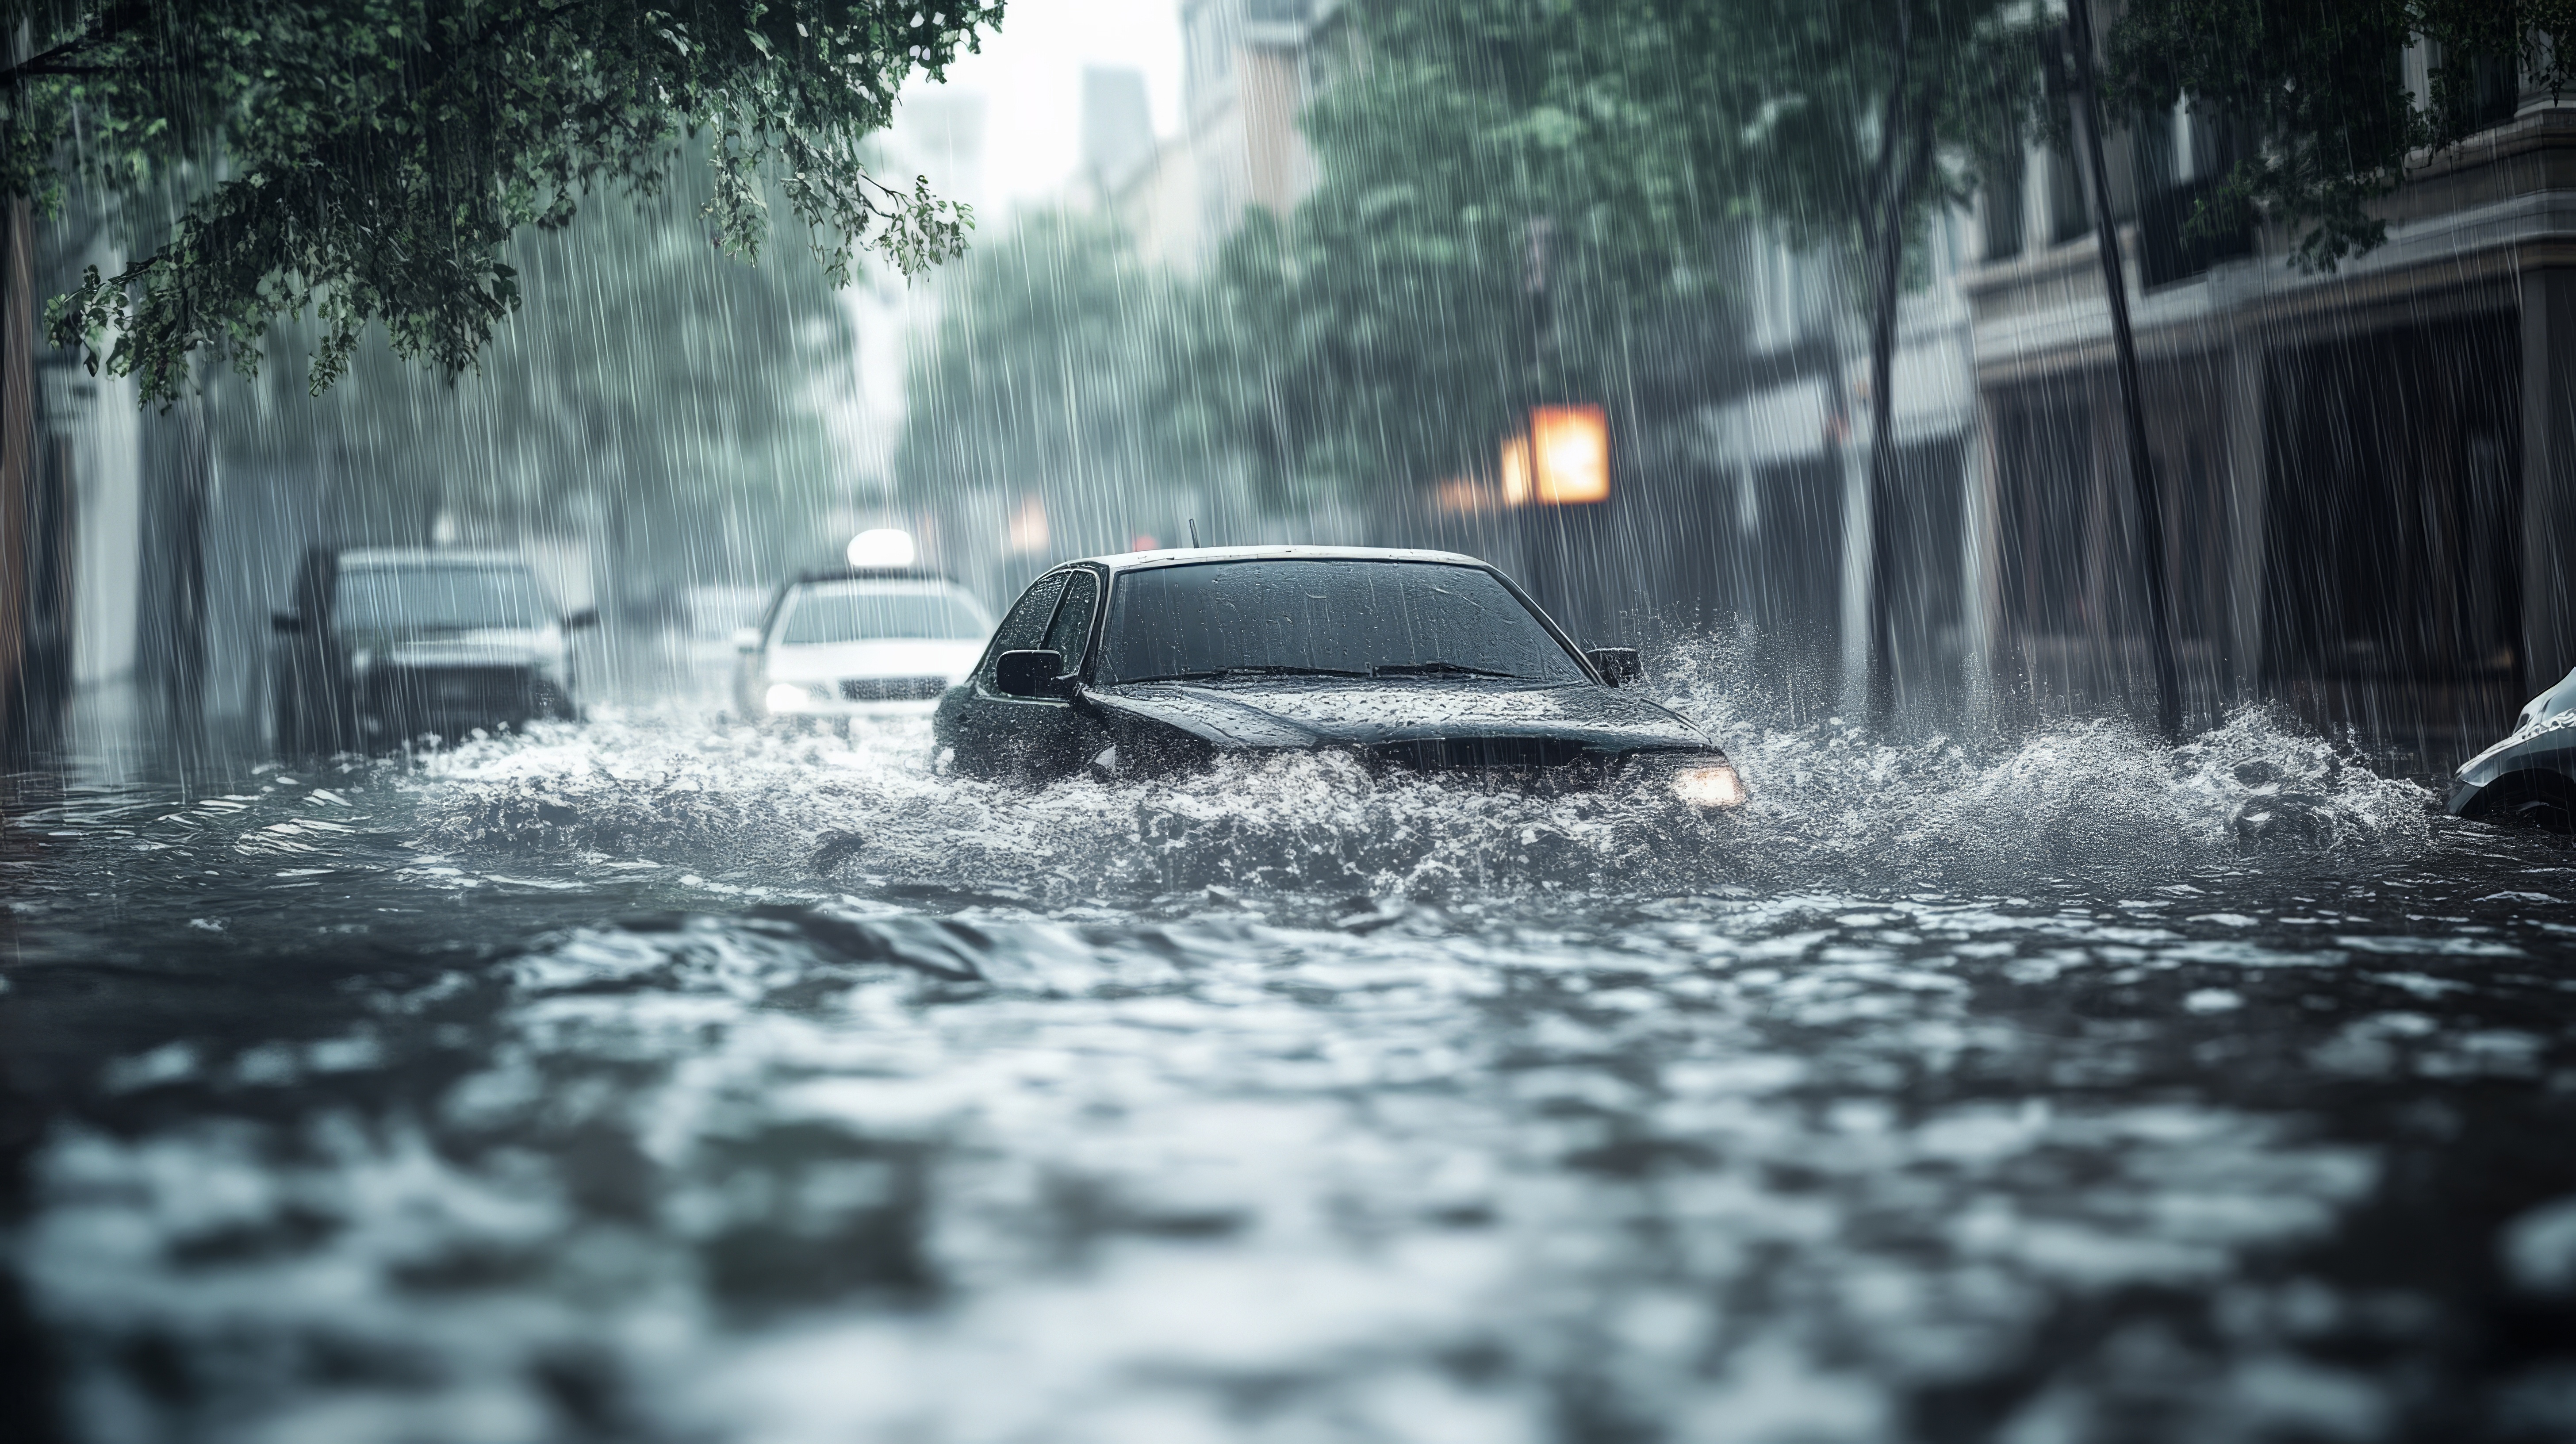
[(658, 1080)]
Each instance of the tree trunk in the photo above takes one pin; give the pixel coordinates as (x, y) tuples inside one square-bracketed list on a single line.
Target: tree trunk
[(187, 455), (17, 460), (1905, 148), (2115, 292)]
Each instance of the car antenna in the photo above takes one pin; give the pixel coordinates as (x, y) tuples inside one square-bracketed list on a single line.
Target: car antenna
[(1194, 533)]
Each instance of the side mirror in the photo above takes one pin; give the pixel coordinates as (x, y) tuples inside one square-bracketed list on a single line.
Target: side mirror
[(285, 623), (581, 618), (1618, 666), (746, 639), (1030, 674)]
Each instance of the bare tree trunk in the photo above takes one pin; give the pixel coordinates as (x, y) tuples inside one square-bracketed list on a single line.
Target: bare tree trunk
[(187, 453), (1905, 148), (17, 458), (2142, 468)]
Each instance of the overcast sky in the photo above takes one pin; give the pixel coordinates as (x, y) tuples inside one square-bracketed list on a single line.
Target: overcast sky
[(1030, 76)]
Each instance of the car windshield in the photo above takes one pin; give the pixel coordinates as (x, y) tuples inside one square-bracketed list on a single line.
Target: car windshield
[(438, 597), (853, 614), (1330, 618)]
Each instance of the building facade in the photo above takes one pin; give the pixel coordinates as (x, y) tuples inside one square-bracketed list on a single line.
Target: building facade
[(2368, 477), (1248, 69)]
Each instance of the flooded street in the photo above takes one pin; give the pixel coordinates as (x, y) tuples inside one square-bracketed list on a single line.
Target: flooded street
[(1287, 722), (662, 1079)]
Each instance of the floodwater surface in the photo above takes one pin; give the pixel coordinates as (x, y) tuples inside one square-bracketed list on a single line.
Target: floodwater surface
[(654, 1079)]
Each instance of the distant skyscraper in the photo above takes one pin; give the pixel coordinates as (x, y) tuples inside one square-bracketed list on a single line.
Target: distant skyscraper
[(1247, 73)]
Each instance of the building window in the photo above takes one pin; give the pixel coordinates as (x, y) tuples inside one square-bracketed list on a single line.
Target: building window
[(2068, 215), (2003, 203), (2176, 176)]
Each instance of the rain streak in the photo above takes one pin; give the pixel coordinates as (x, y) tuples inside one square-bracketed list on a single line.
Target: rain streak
[(1394, 721)]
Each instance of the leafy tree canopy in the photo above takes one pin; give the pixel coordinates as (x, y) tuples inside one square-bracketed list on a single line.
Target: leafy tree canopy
[(649, 386), (1060, 361), (1518, 201), (1508, 203), (1538, 199), (368, 160), (2317, 93), (1847, 96)]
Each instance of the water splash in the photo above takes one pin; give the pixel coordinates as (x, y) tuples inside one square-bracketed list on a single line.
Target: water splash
[(1997, 1080), (1832, 807)]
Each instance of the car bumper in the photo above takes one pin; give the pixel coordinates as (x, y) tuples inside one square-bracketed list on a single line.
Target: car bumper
[(451, 702)]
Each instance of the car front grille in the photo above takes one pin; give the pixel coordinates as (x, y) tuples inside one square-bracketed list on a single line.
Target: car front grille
[(892, 689), (478, 693), (1546, 761)]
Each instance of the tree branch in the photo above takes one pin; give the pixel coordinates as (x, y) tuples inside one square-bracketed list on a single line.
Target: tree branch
[(113, 24)]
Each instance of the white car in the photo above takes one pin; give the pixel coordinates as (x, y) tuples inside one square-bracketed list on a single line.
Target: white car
[(2530, 776), (839, 646)]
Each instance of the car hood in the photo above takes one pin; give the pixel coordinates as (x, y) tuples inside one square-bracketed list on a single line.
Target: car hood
[(826, 661), (2550, 743), (1300, 713)]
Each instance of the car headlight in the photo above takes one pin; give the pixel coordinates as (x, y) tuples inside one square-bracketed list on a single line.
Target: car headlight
[(1706, 785), (791, 696)]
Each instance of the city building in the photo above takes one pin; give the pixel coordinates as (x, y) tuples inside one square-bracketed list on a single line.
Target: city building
[(1248, 69), (2368, 477), (1789, 461)]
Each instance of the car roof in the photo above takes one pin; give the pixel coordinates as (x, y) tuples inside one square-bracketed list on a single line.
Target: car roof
[(1184, 556), (427, 556)]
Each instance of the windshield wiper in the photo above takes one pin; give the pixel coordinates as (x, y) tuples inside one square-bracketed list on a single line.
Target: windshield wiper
[(1217, 673), (1436, 669)]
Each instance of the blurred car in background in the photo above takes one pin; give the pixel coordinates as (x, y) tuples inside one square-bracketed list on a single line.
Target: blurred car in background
[(864, 642), (384, 644)]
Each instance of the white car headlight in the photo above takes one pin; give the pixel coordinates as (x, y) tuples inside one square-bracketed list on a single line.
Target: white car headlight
[(1709, 785), (789, 696)]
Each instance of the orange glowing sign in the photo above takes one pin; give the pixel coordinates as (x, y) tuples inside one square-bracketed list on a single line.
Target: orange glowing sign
[(1516, 470), (1572, 444)]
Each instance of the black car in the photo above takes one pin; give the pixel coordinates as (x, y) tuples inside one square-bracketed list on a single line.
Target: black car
[(1417, 662), (385, 644)]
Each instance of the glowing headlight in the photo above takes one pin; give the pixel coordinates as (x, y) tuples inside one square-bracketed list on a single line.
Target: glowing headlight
[(787, 697), (1712, 786)]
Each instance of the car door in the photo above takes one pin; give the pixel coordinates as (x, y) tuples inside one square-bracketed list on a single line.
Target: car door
[(1062, 734), (981, 726)]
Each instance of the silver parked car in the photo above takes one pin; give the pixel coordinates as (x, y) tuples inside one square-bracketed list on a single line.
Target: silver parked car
[(859, 643)]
